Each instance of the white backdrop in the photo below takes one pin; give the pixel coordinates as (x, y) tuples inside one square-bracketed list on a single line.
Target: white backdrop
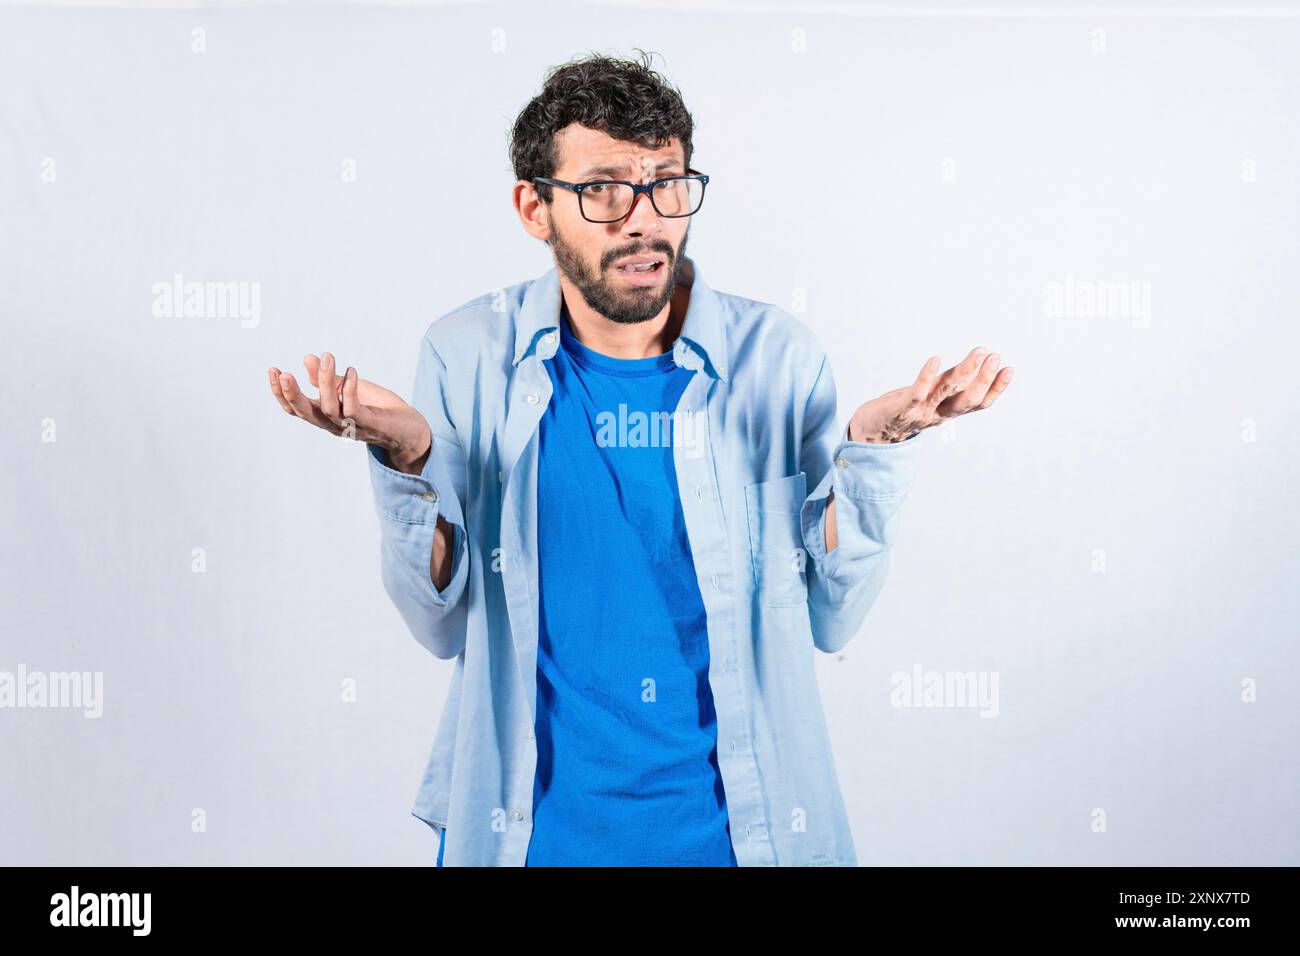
[(1111, 548)]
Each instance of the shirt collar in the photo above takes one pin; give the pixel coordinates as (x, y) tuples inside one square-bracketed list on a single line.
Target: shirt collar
[(703, 329)]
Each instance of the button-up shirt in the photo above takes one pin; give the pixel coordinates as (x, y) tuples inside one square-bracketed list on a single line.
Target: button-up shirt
[(765, 455)]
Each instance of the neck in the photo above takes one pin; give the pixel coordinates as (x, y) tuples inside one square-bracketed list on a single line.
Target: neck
[(620, 340)]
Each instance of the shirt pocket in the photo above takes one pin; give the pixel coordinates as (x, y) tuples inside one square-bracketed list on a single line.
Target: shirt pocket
[(776, 539)]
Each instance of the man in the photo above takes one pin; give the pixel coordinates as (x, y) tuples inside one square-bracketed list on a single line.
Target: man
[(622, 502)]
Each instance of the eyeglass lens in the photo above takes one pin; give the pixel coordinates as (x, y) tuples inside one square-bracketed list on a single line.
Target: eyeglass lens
[(672, 197)]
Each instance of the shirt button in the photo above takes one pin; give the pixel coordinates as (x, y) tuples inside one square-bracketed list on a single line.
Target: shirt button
[(532, 398), (699, 492), (841, 462), (517, 815), (549, 338), (427, 495), (714, 579)]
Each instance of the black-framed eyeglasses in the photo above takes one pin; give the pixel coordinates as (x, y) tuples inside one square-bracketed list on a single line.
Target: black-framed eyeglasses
[(609, 200)]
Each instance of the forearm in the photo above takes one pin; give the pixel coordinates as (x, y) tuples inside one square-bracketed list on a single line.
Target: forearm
[(829, 532), (440, 560)]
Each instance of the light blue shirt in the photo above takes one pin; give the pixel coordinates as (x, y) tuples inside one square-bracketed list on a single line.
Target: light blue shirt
[(765, 451)]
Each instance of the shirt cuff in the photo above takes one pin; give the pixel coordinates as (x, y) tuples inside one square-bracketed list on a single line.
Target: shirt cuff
[(865, 471), (412, 505), (415, 499), (875, 469)]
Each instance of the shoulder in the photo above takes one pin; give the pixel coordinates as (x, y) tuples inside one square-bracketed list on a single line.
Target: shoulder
[(480, 326), (767, 338)]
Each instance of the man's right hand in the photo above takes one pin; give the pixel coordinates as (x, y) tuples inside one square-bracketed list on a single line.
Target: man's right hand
[(360, 409)]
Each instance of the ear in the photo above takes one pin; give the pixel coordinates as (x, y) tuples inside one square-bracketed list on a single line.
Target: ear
[(534, 215)]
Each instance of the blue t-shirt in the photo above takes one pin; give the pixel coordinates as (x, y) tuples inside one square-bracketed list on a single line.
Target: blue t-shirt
[(627, 771)]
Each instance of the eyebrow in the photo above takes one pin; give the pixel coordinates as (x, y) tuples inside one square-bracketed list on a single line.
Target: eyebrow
[(614, 172)]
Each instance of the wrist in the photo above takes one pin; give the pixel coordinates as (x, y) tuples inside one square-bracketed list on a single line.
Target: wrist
[(878, 436), (866, 436), (409, 456)]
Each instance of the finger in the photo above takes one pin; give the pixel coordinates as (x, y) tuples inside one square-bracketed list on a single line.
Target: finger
[(999, 386), (957, 377), (971, 396), (328, 385), (312, 362), (968, 369), (925, 380), (351, 405), (304, 407), (274, 375)]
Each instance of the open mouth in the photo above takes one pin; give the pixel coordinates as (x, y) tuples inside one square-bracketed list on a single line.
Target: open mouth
[(641, 273)]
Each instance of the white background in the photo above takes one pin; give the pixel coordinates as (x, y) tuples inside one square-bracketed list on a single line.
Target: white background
[(912, 181)]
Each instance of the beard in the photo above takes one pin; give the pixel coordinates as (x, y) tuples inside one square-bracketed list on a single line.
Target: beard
[(625, 304)]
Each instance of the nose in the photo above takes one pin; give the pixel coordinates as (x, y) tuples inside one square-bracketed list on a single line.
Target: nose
[(642, 218)]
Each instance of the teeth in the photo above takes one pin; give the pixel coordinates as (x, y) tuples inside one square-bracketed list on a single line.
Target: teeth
[(640, 267)]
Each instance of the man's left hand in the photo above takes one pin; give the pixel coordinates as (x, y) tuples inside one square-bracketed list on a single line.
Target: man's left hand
[(972, 384)]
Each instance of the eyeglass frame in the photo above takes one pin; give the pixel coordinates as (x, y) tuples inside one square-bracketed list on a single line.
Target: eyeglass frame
[(637, 190)]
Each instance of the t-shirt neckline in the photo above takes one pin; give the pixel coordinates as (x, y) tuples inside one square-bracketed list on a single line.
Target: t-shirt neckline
[(649, 365)]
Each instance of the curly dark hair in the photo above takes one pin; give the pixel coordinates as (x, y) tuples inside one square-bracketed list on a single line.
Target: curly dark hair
[(624, 98)]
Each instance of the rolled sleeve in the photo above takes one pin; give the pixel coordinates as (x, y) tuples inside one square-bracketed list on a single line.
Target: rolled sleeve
[(409, 507), (870, 481), (863, 473)]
